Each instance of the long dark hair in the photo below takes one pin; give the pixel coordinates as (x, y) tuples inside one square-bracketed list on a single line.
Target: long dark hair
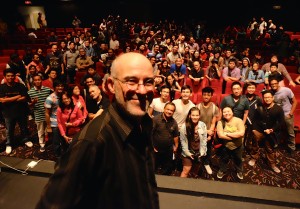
[(62, 105), (190, 126)]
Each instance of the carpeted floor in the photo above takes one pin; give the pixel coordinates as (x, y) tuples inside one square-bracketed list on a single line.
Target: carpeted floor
[(260, 174)]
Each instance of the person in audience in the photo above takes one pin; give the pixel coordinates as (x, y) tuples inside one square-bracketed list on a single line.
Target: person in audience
[(245, 68), (91, 71), (285, 98), (213, 71), (273, 73), (193, 140), (51, 105), (173, 86), (70, 57), (69, 118), (112, 150), (98, 102), (54, 60), (163, 70), (230, 73), (83, 62), (14, 107), (165, 139), (79, 101), (266, 122), (209, 114), (52, 76), (237, 101), (37, 63), (42, 57), (178, 69), (280, 68), (173, 55), (255, 74), (52, 38), (38, 94), (230, 130), (255, 101), (17, 64), (158, 104), (29, 77), (197, 74)]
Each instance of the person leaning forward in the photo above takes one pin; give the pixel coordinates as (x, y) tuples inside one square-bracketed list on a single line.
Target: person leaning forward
[(111, 163)]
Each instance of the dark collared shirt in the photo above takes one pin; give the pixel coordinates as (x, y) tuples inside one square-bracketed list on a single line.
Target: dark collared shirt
[(110, 166), (164, 132)]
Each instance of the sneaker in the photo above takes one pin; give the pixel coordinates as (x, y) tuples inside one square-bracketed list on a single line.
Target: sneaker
[(8, 150), (208, 169), (220, 174), (240, 175), (252, 162), (276, 169), (29, 144), (42, 149)]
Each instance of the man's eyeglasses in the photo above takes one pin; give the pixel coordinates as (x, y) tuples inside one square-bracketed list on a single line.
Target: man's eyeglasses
[(272, 84), (132, 84)]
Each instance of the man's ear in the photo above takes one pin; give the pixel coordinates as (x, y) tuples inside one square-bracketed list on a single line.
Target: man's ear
[(110, 85)]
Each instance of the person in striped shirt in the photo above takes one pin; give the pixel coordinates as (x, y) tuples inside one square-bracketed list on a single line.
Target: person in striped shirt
[(38, 94)]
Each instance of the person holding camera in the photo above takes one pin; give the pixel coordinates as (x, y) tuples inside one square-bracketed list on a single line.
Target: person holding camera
[(214, 71), (193, 139)]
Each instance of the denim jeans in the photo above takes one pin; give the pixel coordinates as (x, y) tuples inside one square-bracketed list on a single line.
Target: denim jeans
[(291, 133), (10, 124)]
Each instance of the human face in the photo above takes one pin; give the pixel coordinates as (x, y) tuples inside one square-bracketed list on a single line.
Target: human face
[(137, 68), (251, 89), (53, 74), (10, 77), (274, 85), (170, 79), (227, 113), (165, 94), (89, 82), (59, 89), (236, 90), (91, 71), (195, 116), (32, 70), (206, 97), (186, 94), (274, 59), (268, 98), (37, 81), (169, 111), (231, 65), (94, 92), (255, 66), (273, 68), (66, 100), (76, 91)]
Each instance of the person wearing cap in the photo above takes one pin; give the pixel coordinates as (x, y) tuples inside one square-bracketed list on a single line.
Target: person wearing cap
[(245, 69)]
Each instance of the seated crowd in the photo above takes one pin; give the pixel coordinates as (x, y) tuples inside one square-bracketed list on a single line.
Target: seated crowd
[(209, 96)]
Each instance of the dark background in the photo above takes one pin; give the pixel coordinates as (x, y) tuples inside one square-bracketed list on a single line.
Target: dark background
[(215, 14)]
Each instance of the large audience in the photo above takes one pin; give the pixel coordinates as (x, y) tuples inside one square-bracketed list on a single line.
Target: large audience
[(215, 92)]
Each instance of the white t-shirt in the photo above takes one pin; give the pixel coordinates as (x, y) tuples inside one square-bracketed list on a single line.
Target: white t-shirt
[(181, 111), (157, 105)]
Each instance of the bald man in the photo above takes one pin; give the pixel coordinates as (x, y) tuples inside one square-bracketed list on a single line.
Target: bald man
[(111, 164)]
